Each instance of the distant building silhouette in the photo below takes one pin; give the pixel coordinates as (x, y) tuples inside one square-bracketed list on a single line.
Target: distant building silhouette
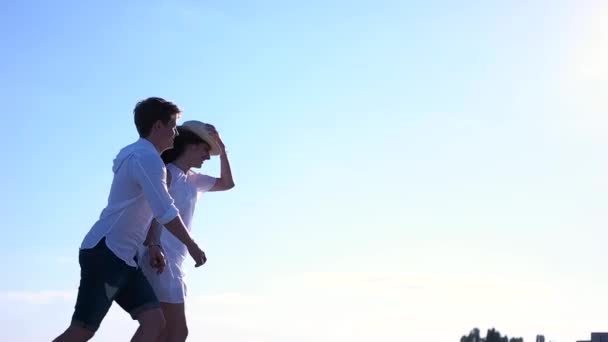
[(597, 337)]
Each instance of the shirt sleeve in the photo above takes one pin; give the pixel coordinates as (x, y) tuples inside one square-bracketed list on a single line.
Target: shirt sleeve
[(203, 183), (150, 172)]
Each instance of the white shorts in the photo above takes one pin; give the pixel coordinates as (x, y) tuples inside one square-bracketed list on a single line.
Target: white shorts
[(168, 286)]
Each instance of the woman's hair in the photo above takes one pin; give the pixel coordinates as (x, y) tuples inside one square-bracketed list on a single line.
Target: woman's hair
[(184, 138)]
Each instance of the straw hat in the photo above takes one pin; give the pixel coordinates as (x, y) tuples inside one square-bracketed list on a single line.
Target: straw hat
[(204, 132)]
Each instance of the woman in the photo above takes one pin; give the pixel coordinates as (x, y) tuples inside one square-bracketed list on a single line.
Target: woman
[(196, 142)]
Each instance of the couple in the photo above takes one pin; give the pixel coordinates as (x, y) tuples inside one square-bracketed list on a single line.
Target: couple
[(153, 192)]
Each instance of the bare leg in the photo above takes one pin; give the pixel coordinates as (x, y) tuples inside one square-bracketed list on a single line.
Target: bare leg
[(75, 334), (151, 323), (176, 329)]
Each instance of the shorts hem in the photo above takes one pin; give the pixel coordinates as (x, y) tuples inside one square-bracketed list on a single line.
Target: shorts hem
[(90, 327), (145, 307)]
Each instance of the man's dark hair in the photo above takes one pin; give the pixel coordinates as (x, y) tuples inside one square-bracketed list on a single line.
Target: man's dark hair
[(147, 112)]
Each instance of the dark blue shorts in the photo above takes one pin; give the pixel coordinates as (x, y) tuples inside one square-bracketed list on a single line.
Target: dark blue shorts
[(105, 278)]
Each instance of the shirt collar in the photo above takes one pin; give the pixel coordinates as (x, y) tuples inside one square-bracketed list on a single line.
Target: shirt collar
[(147, 144)]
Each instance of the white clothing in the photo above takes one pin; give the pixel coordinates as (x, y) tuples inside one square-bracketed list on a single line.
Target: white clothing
[(138, 193), (185, 188)]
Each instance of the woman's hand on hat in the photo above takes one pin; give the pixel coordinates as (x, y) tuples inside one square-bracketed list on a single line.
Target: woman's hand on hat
[(219, 141), (214, 133)]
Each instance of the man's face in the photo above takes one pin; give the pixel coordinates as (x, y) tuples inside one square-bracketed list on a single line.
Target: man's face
[(168, 132)]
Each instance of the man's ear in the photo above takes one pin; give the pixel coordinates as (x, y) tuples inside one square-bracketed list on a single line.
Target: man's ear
[(156, 126)]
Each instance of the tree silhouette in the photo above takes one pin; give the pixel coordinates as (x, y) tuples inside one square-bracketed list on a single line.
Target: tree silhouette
[(472, 337), (492, 335)]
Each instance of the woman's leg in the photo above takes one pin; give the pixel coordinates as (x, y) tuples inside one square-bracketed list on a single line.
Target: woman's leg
[(176, 329)]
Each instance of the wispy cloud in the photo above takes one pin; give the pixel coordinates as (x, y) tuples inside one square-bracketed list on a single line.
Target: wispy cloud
[(584, 80), (343, 306), (316, 305), (361, 306), (37, 297), (592, 54)]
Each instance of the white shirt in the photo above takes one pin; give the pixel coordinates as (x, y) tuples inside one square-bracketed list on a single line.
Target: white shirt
[(184, 188), (138, 193)]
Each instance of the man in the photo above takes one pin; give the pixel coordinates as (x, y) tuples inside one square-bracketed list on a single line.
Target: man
[(108, 252)]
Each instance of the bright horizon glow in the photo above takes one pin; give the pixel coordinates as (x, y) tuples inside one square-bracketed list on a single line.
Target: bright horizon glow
[(404, 170)]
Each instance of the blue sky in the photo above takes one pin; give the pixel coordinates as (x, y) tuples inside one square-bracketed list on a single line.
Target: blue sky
[(404, 169)]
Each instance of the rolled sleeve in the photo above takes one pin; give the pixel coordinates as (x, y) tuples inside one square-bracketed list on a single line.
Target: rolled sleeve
[(169, 215), (150, 173), (202, 182)]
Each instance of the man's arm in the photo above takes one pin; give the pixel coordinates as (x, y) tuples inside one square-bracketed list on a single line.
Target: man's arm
[(153, 237), (155, 252), (150, 173)]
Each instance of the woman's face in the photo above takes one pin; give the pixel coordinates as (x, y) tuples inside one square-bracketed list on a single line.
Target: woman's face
[(197, 154)]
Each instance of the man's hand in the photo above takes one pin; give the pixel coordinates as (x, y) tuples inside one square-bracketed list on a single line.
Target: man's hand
[(197, 254), (157, 258)]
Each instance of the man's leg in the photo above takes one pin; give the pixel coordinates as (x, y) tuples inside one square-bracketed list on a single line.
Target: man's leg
[(176, 329), (75, 334), (99, 275)]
